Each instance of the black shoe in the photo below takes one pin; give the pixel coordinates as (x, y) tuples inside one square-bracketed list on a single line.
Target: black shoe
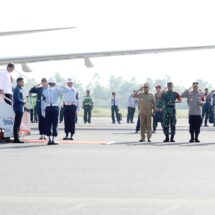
[(17, 141), (191, 141), (149, 141), (166, 140), (197, 140), (54, 143), (71, 138), (66, 138), (136, 132), (142, 140), (172, 141), (49, 143)]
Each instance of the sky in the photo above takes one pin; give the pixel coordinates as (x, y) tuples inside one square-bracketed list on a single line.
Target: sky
[(110, 25)]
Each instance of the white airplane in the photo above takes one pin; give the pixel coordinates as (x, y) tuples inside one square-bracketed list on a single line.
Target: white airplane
[(7, 117), (86, 56)]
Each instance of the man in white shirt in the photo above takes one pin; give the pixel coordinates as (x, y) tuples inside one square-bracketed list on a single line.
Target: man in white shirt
[(51, 96), (71, 107), (132, 103), (6, 83), (115, 108)]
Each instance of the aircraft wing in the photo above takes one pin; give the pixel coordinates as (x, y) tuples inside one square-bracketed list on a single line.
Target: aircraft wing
[(40, 58), (10, 33)]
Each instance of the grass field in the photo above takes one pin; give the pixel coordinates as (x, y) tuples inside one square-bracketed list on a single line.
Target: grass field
[(106, 112)]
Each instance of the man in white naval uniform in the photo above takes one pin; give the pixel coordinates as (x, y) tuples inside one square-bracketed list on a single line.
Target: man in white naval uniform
[(71, 103), (51, 97)]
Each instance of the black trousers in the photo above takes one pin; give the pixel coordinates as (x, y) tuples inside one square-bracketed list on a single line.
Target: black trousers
[(52, 114), (130, 115), (61, 114), (35, 114), (42, 120), (32, 115), (9, 96), (205, 114), (115, 111), (17, 123), (87, 113), (70, 118), (138, 123), (195, 124)]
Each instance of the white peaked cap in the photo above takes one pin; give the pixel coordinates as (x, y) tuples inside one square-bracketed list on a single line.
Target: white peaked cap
[(70, 80), (52, 80)]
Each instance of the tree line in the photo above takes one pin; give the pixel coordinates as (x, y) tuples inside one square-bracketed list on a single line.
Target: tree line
[(123, 87)]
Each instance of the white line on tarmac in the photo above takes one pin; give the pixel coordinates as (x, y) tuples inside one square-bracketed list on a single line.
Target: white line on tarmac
[(90, 200)]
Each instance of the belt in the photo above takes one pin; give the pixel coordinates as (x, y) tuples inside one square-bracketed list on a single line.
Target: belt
[(52, 105), (69, 103)]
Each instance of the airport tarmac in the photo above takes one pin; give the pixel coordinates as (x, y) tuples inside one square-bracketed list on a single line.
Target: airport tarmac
[(105, 170)]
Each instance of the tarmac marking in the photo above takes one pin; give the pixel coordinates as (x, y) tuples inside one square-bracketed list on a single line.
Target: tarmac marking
[(92, 200), (70, 141), (82, 142)]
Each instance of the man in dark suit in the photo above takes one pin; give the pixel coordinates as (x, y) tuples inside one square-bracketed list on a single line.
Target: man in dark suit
[(18, 107)]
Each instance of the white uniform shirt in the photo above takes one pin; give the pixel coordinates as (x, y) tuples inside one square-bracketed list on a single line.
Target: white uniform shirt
[(132, 102), (71, 97), (52, 95), (5, 82), (115, 101)]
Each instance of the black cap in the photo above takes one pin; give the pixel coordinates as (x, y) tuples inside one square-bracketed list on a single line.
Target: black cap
[(195, 83), (169, 84), (43, 80)]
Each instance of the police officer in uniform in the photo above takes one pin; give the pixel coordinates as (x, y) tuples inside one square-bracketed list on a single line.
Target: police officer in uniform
[(147, 105), (51, 96), (87, 106), (169, 113), (195, 101), (158, 115), (71, 107), (38, 89)]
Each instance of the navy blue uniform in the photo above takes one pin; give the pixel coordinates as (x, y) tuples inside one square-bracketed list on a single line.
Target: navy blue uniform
[(38, 91), (18, 107)]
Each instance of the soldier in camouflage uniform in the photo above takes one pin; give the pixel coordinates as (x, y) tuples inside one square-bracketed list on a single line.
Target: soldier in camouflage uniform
[(169, 113), (87, 106), (158, 115)]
